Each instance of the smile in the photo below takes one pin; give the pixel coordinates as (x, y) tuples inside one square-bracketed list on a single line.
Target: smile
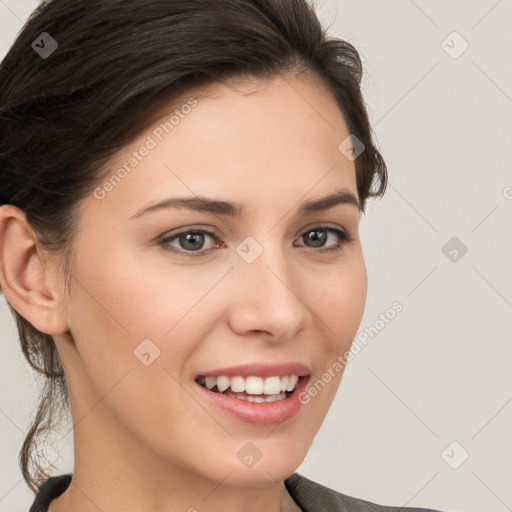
[(251, 388), (263, 401)]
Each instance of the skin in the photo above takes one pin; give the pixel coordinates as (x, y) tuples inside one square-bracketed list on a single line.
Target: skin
[(144, 439)]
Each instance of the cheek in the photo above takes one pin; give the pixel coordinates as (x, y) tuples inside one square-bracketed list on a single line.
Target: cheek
[(340, 303), (120, 302), (117, 306), (339, 309), (122, 293)]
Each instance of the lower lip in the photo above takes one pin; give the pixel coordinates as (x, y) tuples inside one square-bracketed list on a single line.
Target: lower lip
[(261, 413)]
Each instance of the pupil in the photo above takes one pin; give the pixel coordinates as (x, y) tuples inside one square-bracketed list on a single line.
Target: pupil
[(318, 241), (189, 237)]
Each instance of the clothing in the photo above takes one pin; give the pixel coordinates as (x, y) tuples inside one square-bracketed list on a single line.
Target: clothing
[(314, 497), (309, 496)]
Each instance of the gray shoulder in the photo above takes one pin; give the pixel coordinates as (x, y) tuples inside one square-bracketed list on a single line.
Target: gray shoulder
[(313, 497)]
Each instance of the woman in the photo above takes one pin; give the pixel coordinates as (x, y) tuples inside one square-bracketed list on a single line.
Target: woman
[(181, 188)]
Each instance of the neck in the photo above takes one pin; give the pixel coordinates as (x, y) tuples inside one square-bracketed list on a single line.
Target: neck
[(113, 472)]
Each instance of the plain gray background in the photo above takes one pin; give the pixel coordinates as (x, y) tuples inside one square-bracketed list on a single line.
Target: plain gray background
[(432, 386)]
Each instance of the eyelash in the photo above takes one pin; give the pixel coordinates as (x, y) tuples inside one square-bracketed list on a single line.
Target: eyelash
[(343, 239)]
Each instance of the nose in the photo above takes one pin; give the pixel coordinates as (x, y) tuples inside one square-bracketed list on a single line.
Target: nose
[(267, 297)]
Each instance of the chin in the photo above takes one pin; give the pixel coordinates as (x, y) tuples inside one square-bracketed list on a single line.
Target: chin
[(272, 467)]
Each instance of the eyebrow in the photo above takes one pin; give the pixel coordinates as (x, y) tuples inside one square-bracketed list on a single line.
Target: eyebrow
[(205, 204)]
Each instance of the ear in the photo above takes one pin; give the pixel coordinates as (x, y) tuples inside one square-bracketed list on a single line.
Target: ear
[(26, 275)]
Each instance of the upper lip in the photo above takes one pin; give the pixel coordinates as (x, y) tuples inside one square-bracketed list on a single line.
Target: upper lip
[(260, 370)]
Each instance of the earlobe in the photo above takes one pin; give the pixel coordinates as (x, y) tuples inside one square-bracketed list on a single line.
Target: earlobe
[(25, 274)]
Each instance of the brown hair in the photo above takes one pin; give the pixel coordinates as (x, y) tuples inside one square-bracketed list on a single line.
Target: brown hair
[(64, 115)]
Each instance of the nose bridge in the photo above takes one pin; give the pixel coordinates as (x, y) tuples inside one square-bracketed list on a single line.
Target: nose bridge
[(267, 296)]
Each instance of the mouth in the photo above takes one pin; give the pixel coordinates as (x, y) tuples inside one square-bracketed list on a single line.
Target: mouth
[(259, 394), (252, 388)]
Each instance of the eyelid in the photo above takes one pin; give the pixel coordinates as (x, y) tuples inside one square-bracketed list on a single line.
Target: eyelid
[(214, 232)]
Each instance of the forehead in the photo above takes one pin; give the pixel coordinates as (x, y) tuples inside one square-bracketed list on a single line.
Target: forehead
[(243, 140)]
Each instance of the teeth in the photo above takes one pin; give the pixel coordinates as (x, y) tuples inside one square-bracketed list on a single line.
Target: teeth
[(260, 399), (252, 385), (210, 382), (292, 382), (237, 384), (223, 383), (272, 386)]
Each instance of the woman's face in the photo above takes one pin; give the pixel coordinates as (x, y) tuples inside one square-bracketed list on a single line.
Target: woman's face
[(150, 312)]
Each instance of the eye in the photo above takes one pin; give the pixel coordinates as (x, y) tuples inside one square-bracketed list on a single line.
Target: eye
[(191, 241), (319, 235)]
